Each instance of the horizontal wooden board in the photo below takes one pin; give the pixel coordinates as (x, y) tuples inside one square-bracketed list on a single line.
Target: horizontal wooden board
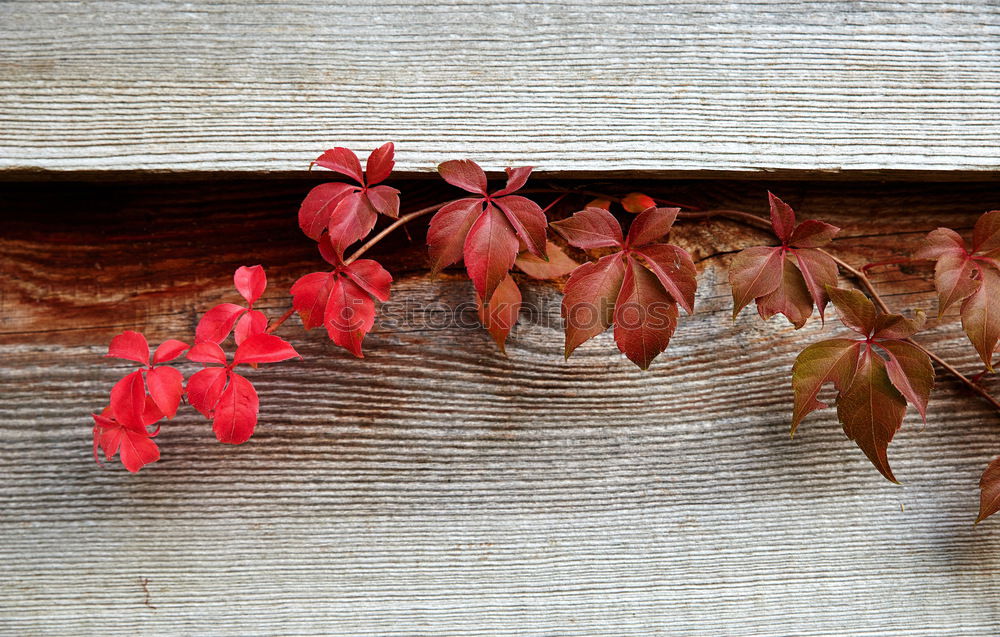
[(438, 488), (739, 87)]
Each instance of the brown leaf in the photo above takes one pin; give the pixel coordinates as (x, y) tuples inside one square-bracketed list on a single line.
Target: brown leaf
[(989, 491), (559, 264), (981, 315), (833, 361), (753, 273), (790, 298)]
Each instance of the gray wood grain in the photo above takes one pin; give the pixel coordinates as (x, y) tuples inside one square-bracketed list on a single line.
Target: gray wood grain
[(604, 85), (438, 488)]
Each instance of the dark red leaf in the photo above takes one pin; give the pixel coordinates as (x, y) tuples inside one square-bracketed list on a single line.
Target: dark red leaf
[(207, 352), (940, 242), (954, 278), (371, 276), (130, 346), (753, 273), (588, 305), (465, 174), (235, 415), (871, 410), (250, 282), (782, 218), (650, 225), (675, 269), (981, 315), (911, 373), (500, 315), (490, 250), (264, 348), (318, 206), (216, 324), (590, 228), (385, 200), (449, 229), (204, 388), (986, 235), (790, 298), (168, 351), (380, 163), (818, 270), (812, 234), (516, 178), (343, 161), (833, 361), (166, 386), (989, 495), (528, 221), (645, 315)]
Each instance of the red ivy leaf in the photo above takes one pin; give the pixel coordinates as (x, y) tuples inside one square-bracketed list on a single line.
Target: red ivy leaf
[(380, 163), (204, 388), (166, 386), (235, 415), (252, 322), (216, 324), (207, 352), (790, 278), (342, 301), (500, 314), (131, 346), (250, 282), (485, 231), (133, 446), (875, 376), (972, 277), (128, 400), (342, 160), (989, 486), (318, 206), (637, 289), (558, 264), (264, 348), (168, 351)]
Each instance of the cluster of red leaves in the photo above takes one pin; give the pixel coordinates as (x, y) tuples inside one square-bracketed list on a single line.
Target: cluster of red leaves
[(790, 278), (636, 287), (972, 277), (154, 391), (875, 376)]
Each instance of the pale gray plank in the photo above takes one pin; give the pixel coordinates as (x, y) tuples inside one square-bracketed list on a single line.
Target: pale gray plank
[(743, 86)]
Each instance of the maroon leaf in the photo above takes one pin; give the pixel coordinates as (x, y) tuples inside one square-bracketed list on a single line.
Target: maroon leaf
[(790, 298), (645, 316), (911, 373), (871, 410), (818, 271), (490, 250), (353, 218), (981, 315), (500, 314), (384, 199), (528, 221), (753, 273), (954, 278), (675, 270), (318, 206), (591, 228), (516, 178), (371, 276), (448, 231), (940, 242), (588, 305), (854, 309), (986, 235), (833, 361), (650, 225), (465, 174), (813, 234), (782, 218)]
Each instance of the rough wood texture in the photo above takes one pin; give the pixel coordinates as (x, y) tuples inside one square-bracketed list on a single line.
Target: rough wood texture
[(744, 86), (438, 488)]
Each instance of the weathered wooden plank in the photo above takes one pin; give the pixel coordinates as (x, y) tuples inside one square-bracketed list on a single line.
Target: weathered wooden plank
[(438, 488), (744, 87)]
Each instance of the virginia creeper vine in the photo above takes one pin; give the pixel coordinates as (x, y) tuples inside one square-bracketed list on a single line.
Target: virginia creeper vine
[(636, 284)]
